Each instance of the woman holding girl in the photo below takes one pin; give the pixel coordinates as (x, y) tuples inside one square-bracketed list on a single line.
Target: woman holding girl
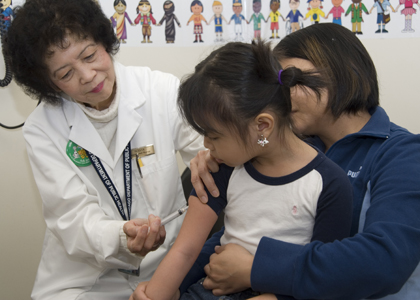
[(272, 183), (381, 159)]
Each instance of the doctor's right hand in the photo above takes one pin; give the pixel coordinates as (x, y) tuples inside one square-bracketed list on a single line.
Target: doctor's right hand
[(201, 166), (140, 239)]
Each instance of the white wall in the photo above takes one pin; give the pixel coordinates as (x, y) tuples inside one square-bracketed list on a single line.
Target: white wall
[(21, 223)]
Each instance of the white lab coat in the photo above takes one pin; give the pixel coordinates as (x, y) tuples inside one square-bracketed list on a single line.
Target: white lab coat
[(82, 248)]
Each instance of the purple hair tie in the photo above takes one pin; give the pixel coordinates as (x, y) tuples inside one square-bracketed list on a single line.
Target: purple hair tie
[(281, 83)]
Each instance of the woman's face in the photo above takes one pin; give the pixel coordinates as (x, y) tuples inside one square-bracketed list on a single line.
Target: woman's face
[(310, 115), (84, 71)]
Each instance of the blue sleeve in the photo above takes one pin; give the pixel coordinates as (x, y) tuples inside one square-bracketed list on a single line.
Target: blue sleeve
[(373, 263), (335, 204), (221, 179)]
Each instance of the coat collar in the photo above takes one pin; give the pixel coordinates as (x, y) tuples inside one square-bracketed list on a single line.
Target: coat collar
[(84, 134)]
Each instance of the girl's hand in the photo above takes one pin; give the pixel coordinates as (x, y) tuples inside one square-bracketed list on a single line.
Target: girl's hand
[(144, 236), (200, 175), (229, 270)]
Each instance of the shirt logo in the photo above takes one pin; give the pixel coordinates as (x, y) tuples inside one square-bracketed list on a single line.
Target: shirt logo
[(77, 155), (353, 174)]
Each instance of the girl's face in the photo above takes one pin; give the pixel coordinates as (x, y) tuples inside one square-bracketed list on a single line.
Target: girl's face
[(310, 115), (144, 8), (226, 147), (84, 71), (120, 8)]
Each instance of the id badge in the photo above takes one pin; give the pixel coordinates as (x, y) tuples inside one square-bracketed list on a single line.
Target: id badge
[(130, 272)]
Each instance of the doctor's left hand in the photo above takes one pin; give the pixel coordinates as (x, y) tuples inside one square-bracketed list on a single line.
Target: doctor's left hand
[(143, 235)]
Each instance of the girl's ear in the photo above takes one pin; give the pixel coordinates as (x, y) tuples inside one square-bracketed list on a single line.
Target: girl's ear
[(264, 124)]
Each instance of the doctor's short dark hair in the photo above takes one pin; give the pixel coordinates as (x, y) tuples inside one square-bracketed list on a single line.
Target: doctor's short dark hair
[(40, 24), (237, 82), (340, 57)]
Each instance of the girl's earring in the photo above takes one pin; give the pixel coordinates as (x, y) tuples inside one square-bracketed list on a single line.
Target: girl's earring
[(262, 141)]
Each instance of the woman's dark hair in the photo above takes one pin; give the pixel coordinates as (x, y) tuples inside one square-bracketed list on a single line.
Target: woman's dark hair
[(339, 57), (41, 24), (237, 82)]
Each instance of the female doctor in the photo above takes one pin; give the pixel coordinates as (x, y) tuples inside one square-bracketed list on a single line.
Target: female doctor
[(102, 148)]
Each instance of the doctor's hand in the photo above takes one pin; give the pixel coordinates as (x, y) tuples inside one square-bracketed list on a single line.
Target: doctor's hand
[(229, 270), (200, 175), (143, 235)]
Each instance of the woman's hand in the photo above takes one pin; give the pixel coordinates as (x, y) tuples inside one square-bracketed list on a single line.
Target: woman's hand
[(140, 239), (200, 166), (229, 270)]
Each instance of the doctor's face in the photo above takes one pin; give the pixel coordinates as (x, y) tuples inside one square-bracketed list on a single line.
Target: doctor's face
[(84, 71)]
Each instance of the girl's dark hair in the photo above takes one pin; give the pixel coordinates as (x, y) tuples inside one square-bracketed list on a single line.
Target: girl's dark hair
[(40, 24), (237, 82), (144, 2), (341, 59)]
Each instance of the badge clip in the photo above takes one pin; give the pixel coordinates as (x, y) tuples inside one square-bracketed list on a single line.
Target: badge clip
[(138, 153)]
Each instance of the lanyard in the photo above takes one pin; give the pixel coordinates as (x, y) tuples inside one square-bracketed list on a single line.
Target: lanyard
[(109, 185)]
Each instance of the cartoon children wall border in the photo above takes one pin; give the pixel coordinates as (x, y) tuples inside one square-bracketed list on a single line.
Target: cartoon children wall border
[(237, 17), (170, 18), (383, 18), (315, 11), (274, 17), (218, 20), (293, 17), (257, 17), (408, 12), (197, 8), (118, 20), (145, 18), (356, 9), (336, 11)]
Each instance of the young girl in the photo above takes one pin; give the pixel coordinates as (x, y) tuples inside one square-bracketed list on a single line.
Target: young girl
[(271, 182)]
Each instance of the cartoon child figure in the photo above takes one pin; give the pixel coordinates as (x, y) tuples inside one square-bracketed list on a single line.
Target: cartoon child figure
[(218, 18), (336, 11), (237, 18), (274, 16), (145, 18), (356, 9), (315, 11), (381, 8), (197, 17), (294, 15), (257, 17), (170, 18), (118, 20), (7, 12), (408, 12)]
